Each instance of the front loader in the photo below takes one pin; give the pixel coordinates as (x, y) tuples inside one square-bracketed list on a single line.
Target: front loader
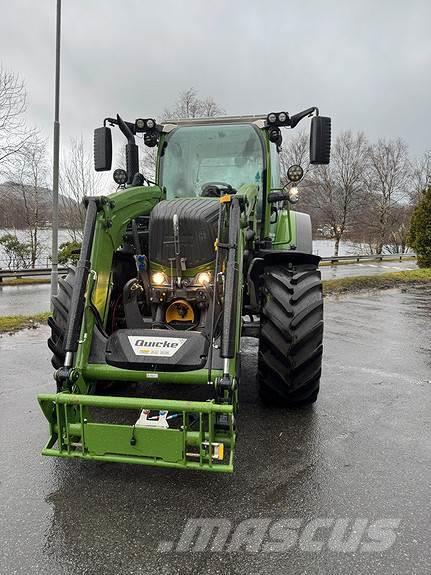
[(171, 275)]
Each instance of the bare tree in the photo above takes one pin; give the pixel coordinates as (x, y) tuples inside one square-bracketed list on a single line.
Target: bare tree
[(388, 183), (149, 163), (13, 132), (77, 180), (29, 179), (421, 176), (337, 190), (189, 105), (295, 150), (399, 226)]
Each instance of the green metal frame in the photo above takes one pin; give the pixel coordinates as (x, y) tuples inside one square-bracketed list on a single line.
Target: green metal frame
[(77, 436), (74, 432)]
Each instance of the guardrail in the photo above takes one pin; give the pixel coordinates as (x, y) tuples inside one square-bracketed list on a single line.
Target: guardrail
[(371, 257), (332, 259), (29, 272)]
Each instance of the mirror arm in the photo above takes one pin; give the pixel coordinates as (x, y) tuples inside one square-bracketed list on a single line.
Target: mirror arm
[(125, 128), (130, 128), (296, 118), (110, 121)]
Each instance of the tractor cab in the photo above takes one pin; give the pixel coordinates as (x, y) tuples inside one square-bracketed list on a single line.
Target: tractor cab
[(192, 157)]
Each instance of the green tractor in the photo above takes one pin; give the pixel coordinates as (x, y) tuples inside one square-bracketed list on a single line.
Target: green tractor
[(171, 275)]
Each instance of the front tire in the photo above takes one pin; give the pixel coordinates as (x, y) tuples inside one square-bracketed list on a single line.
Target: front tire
[(291, 335), (60, 314)]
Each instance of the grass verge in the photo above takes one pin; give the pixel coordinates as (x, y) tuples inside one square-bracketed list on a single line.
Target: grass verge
[(9, 323), (24, 281), (380, 281)]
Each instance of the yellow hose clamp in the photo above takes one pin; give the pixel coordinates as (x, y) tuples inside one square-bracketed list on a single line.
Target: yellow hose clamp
[(225, 199)]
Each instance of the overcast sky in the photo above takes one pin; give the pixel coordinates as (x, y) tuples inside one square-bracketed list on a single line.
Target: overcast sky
[(366, 63)]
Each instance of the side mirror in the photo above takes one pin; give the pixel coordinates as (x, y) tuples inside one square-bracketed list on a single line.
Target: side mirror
[(320, 140), (102, 149)]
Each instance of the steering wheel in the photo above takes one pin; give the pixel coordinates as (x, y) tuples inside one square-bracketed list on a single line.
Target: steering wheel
[(212, 189)]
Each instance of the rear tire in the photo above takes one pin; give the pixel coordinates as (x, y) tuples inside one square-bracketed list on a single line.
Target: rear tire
[(60, 314), (291, 335)]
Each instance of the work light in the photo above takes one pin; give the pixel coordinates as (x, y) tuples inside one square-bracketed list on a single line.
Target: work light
[(142, 124), (282, 117), (150, 139), (295, 173), (272, 118), (120, 176), (274, 135)]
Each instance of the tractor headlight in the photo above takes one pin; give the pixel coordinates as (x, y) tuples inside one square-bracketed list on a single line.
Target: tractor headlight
[(293, 195), (151, 124), (159, 278), (272, 118), (203, 278), (282, 117)]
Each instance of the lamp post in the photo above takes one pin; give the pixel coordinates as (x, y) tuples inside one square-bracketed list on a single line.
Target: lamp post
[(56, 151)]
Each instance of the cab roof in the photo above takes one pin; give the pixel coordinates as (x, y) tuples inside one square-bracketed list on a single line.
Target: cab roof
[(257, 120)]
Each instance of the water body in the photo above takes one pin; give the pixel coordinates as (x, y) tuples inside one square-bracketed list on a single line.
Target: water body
[(45, 236)]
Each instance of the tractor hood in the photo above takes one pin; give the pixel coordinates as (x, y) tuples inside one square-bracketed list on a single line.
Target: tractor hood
[(197, 224)]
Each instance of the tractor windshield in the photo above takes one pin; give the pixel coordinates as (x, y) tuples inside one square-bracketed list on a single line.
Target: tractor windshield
[(198, 155)]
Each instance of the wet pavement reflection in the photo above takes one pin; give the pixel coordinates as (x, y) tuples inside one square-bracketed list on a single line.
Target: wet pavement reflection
[(363, 451)]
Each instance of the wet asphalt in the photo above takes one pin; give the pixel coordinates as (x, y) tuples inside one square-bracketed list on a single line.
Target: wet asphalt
[(362, 453)]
